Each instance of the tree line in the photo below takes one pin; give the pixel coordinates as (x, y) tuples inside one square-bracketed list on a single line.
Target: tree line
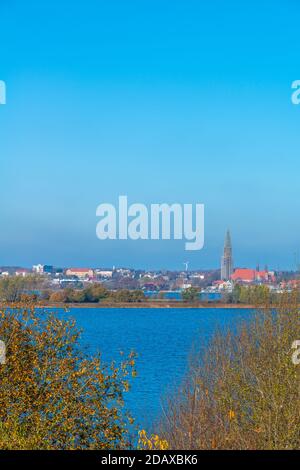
[(93, 294), (32, 288)]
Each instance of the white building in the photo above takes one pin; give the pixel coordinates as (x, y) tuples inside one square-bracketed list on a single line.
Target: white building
[(38, 268), (104, 273), (22, 272)]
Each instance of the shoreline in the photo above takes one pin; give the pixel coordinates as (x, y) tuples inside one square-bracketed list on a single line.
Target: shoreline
[(151, 304)]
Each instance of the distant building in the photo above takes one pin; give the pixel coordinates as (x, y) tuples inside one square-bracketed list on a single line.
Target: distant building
[(81, 273), (186, 285), (244, 275), (22, 272), (226, 261), (42, 269), (197, 276), (37, 268), (48, 269), (223, 285), (104, 273), (252, 275)]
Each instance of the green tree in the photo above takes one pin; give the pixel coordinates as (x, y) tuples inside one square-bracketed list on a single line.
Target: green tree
[(77, 296), (190, 294), (95, 293), (236, 293), (125, 295)]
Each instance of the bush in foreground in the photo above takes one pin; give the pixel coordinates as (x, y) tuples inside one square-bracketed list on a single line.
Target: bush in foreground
[(245, 392), (52, 396)]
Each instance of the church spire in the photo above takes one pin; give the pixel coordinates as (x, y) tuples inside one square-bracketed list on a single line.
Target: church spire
[(226, 261)]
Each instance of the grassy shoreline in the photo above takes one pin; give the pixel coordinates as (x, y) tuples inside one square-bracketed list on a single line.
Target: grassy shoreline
[(148, 304)]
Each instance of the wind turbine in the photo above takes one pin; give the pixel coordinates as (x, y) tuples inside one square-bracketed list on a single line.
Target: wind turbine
[(186, 264)]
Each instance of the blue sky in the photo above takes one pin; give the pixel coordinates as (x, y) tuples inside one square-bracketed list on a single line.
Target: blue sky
[(181, 101)]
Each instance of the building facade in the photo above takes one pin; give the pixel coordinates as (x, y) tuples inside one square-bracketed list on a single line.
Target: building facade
[(80, 273)]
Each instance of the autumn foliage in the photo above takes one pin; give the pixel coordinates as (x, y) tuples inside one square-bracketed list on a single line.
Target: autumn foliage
[(243, 390), (52, 395)]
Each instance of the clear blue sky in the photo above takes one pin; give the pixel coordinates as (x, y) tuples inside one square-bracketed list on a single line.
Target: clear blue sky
[(165, 101)]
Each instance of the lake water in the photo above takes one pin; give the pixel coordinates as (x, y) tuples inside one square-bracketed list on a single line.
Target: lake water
[(162, 338)]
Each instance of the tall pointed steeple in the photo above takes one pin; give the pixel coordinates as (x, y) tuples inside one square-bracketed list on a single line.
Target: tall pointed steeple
[(227, 262)]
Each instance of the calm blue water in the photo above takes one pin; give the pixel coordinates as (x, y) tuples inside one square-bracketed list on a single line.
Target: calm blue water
[(163, 339)]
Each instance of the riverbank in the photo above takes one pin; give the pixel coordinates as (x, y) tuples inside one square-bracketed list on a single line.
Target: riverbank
[(149, 304)]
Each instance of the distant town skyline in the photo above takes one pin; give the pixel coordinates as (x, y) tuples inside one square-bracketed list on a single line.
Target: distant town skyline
[(181, 102)]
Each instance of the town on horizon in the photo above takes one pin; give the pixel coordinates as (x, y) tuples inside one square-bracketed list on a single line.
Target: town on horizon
[(220, 280)]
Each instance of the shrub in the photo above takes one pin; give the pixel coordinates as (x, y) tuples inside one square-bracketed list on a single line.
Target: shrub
[(125, 295), (244, 392), (12, 288), (76, 296), (58, 296), (52, 395), (95, 293), (191, 294)]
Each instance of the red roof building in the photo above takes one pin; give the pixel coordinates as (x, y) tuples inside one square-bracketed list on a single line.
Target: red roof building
[(245, 275), (251, 275)]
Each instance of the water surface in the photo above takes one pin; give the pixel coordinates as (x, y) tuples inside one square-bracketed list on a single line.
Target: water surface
[(162, 338)]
